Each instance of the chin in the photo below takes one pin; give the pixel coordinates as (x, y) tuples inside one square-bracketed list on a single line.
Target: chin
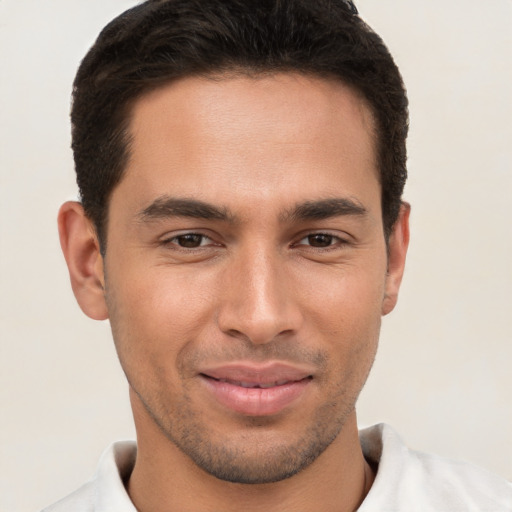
[(258, 454)]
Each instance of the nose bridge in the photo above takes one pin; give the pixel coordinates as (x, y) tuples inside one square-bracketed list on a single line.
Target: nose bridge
[(257, 301)]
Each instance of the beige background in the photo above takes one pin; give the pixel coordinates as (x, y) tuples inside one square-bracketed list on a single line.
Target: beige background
[(442, 376)]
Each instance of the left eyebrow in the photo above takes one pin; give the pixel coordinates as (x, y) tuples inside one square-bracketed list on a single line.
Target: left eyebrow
[(325, 209), (167, 207)]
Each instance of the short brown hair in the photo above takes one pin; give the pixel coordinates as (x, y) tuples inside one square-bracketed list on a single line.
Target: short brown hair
[(160, 41)]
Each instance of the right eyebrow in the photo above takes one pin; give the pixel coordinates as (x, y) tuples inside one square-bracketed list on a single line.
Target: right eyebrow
[(326, 208), (166, 207)]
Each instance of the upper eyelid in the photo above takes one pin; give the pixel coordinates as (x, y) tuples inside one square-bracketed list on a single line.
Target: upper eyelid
[(337, 241), (172, 240), (171, 236), (344, 237), (341, 237)]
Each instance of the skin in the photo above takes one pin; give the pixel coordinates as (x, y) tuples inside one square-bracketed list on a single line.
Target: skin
[(262, 279)]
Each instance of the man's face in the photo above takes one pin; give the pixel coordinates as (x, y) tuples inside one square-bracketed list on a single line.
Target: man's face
[(246, 268)]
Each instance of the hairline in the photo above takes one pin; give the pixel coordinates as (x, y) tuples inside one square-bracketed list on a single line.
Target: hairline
[(219, 75)]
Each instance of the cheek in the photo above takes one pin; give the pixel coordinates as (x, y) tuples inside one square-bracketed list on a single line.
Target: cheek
[(345, 298), (346, 312), (156, 314)]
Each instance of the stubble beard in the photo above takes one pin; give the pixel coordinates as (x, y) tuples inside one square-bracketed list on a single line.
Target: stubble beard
[(250, 457)]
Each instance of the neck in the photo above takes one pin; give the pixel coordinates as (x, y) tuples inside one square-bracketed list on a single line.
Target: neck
[(165, 479)]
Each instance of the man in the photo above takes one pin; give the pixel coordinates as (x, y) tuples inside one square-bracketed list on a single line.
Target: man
[(241, 167)]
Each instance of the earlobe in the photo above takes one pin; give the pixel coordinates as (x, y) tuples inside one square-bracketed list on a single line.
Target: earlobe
[(397, 251), (85, 264)]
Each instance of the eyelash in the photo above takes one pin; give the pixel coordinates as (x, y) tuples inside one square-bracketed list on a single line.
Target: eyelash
[(174, 241), (335, 241)]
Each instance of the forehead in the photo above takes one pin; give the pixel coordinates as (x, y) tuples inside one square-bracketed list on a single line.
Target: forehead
[(309, 105), (244, 137)]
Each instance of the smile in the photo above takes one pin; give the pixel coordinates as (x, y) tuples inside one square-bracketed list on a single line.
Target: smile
[(260, 385), (256, 390)]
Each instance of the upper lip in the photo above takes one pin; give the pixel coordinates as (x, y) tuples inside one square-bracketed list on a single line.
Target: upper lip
[(257, 374)]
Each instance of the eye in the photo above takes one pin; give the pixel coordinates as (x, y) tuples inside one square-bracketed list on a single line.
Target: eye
[(320, 240), (190, 240)]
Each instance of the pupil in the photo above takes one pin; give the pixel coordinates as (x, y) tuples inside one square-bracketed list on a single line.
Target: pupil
[(190, 241), (320, 240)]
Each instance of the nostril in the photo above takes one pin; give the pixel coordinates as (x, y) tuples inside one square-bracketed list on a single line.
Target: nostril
[(234, 333)]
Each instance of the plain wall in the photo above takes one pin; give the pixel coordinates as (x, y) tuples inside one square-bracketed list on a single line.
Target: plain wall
[(442, 376)]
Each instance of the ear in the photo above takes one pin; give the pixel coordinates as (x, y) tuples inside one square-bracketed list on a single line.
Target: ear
[(397, 250), (81, 249)]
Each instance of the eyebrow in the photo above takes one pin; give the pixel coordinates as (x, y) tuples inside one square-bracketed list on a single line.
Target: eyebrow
[(325, 209), (165, 207)]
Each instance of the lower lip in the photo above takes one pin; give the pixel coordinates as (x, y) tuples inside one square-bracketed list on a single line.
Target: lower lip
[(256, 401)]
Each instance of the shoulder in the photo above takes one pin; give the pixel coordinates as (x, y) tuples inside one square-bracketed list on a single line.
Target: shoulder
[(105, 491), (408, 480), (82, 500)]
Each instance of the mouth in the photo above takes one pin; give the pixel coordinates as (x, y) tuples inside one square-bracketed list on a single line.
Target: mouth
[(256, 390), (252, 385)]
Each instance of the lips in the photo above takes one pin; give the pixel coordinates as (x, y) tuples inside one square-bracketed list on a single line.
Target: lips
[(262, 385), (256, 390)]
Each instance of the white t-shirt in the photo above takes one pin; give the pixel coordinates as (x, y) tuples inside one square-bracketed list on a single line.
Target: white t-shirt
[(406, 481)]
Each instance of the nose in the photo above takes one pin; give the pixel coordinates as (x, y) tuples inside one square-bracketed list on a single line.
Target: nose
[(259, 303)]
